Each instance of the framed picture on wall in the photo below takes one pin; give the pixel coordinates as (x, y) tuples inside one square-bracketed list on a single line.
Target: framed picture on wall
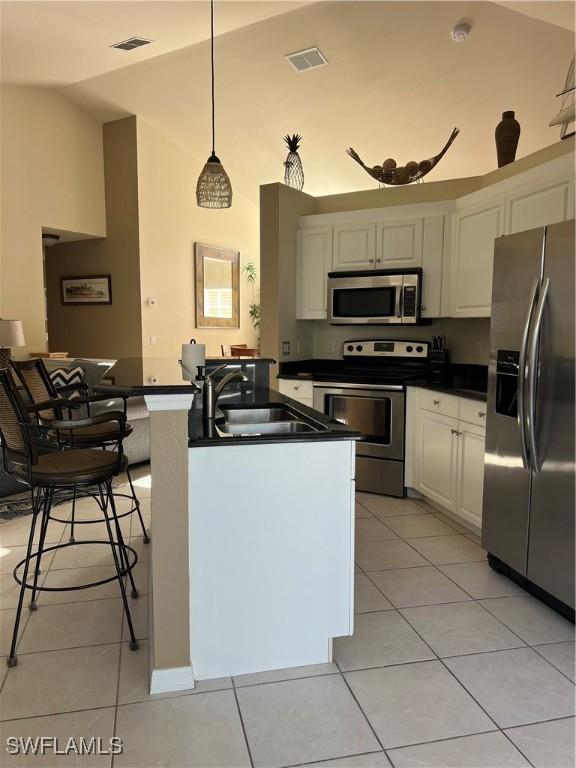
[(86, 289), (217, 287)]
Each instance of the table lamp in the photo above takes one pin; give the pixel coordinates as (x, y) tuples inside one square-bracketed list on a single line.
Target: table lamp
[(11, 335)]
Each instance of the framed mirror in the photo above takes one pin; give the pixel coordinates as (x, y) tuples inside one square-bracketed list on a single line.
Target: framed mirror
[(217, 287)]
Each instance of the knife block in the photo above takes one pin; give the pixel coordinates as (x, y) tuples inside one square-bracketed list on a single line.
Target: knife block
[(438, 366)]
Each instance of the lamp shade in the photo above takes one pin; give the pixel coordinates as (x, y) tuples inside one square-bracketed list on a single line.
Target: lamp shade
[(213, 189), (11, 333)]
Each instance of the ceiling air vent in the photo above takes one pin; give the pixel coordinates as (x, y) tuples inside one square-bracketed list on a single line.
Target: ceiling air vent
[(131, 43), (308, 59)]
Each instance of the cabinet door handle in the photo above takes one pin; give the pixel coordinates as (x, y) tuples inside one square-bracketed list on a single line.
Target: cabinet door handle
[(378, 258), (455, 432), (423, 309), (481, 414), (370, 261), (436, 402)]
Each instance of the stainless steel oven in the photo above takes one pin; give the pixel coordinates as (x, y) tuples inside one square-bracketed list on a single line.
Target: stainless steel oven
[(378, 412), (375, 297)]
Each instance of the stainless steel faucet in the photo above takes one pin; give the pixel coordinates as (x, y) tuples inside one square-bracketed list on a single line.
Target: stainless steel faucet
[(212, 391)]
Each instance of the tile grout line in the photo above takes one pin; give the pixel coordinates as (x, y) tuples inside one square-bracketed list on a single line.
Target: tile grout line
[(364, 715), (343, 757), (242, 721), (525, 644), (115, 716), (535, 648), (394, 608), (452, 673), (55, 714), (501, 621), (433, 741), (460, 683)]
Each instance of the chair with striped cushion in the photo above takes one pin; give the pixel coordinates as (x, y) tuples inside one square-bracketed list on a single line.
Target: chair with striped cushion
[(33, 461), (40, 388)]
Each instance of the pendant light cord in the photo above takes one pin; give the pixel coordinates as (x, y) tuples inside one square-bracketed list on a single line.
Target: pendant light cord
[(212, 66)]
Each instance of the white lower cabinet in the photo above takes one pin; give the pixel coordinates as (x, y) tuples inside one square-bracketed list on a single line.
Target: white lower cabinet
[(437, 460), (470, 474), (302, 391), (448, 465)]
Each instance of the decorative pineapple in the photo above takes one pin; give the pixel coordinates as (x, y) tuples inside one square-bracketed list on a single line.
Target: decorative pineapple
[(293, 173)]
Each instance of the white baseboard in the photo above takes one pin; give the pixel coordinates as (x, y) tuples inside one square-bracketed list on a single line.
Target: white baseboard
[(171, 679)]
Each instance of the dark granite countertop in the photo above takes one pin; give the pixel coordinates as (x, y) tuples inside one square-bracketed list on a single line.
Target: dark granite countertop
[(133, 376), (462, 379), (202, 434), (471, 394)]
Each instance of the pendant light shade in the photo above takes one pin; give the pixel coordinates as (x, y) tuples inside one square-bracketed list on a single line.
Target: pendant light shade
[(213, 189)]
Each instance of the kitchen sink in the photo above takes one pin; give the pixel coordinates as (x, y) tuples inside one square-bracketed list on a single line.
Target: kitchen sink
[(246, 416), (267, 428)]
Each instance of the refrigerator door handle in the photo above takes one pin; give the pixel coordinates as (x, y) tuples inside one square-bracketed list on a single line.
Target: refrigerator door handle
[(522, 361), (533, 375)]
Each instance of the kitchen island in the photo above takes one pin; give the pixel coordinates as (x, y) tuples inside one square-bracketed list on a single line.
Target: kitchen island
[(252, 532)]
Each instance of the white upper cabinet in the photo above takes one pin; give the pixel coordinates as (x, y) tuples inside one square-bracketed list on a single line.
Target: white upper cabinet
[(432, 262), (354, 246), (451, 240), (314, 261), (475, 229), (538, 197), (539, 205), (399, 244)]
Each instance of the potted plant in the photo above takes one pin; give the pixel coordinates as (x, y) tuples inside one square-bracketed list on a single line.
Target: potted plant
[(251, 274)]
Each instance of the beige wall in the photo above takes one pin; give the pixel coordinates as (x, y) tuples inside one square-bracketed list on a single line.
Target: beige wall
[(467, 339), (108, 330), (52, 176), (280, 210), (170, 224)]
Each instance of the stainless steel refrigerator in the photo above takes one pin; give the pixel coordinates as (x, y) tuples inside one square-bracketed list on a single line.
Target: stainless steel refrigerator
[(528, 507)]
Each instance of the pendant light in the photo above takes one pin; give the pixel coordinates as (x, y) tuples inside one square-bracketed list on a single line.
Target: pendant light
[(213, 189)]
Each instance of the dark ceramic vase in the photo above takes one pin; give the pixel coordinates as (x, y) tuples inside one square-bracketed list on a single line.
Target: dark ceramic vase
[(507, 134)]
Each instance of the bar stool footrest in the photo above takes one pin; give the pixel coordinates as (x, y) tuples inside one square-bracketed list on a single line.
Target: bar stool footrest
[(41, 588)]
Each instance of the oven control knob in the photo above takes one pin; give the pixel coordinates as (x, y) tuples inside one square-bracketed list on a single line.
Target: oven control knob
[(419, 349), (350, 348), (359, 348), (409, 348)]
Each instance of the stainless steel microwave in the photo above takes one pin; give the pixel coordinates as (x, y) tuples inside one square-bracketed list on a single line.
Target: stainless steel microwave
[(375, 297)]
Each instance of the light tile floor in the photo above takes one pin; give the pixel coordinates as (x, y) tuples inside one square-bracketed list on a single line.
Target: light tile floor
[(450, 665)]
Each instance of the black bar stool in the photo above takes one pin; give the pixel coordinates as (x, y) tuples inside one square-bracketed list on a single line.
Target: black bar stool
[(30, 455), (40, 389)]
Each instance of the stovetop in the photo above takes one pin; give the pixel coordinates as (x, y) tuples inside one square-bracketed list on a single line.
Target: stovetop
[(364, 371)]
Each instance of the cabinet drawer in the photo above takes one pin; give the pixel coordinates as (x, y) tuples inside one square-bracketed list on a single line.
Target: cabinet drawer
[(439, 403), (297, 390), (473, 411)]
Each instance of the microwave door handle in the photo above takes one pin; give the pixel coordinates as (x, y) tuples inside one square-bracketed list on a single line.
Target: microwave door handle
[(399, 300)]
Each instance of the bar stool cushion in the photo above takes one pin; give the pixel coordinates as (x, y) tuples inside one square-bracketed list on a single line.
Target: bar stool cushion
[(97, 433), (74, 467)]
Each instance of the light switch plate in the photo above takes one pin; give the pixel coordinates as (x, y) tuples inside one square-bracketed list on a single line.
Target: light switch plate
[(285, 347)]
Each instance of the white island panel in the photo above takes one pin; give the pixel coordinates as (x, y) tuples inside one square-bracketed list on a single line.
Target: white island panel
[(271, 554)]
